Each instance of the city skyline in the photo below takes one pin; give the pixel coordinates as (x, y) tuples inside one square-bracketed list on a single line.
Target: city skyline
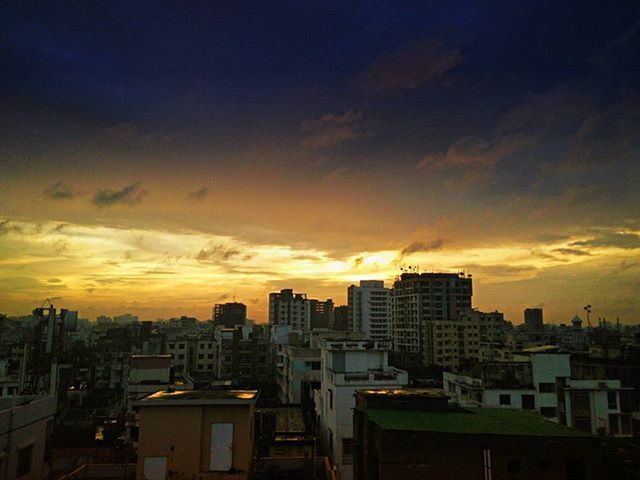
[(158, 164)]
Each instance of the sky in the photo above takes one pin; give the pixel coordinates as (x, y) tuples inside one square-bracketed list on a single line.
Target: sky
[(157, 158)]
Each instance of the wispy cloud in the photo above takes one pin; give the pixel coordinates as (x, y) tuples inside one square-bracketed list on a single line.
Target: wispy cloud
[(217, 253), (128, 195), (409, 67), (332, 129), (422, 247), (611, 239), (199, 195), (60, 191)]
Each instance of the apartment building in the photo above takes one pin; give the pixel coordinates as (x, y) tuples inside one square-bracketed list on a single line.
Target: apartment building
[(193, 353), (418, 299), (230, 314), (347, 366), (289, 308), (369, 309)]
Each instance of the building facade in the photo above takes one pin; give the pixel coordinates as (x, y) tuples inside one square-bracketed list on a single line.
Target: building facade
[(369, 309), (417, 300), (289, 308)]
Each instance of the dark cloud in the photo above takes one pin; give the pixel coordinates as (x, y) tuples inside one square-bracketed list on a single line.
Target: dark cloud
[(199, 195), (60, 191), (499, 269), (422, 247), (408, 68), (7, 226), (128, 195), (572, 251), (54, 280), (617, 240), (217, 253), (331, 129)]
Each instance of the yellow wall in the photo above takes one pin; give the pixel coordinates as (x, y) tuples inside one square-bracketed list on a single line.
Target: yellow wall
[(188, 430)]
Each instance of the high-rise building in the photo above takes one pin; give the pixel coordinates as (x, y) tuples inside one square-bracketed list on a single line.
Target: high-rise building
[(416, 300), (370, 309), (288, 308), (340, 318), (230, 314), (321, 313), (533, 319)]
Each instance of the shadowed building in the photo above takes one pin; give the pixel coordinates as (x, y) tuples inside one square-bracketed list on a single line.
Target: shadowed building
[(416, 434), (230, 314), (206, 434)]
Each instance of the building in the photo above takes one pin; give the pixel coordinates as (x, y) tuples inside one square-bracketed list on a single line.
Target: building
[(340, 318), (321, 313), (288, 308), (26, 424), (415, 434), (347, 366), (192, 353), (533, 319), (452, 343), (230, 314), (148, 374), (542, 382), (196, 434), (245, 356), (369, 309), (416, 300), (184, 323)]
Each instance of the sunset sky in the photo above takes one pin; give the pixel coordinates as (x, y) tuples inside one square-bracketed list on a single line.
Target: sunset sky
[(159, 157)]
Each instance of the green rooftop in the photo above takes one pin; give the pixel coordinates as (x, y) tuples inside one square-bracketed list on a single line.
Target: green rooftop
[(482, 421)]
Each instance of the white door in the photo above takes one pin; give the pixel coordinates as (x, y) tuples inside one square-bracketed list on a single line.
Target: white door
[(221, 455), (155, 468)]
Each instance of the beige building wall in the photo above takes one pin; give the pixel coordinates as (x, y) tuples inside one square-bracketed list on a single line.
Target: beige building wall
[(183, 435)]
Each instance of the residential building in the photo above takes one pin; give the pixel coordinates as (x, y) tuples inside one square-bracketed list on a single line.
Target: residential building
[(245, 356), (321, 313), (415, 434), (288, 308), (193, 353), (416, 300), (26, 424), (148, 374), (196, 434), (369, 309), (340, 318), (347, 366), (230, 314), (452, 343), (533, 319)]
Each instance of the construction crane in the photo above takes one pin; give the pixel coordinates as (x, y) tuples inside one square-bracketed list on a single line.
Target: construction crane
[(587, 308)]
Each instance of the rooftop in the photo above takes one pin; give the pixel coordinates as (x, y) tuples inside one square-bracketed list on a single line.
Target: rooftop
[(471, 421), (405, 393), (199, 397)]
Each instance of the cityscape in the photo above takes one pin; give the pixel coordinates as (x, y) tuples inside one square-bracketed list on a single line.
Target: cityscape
[(319, 240)]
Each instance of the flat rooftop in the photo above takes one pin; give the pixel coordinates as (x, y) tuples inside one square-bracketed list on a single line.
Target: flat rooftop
[(199, 397), (471, 421), (404, 393)]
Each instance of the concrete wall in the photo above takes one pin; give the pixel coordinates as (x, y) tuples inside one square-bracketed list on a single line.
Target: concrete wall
[(182, 434)]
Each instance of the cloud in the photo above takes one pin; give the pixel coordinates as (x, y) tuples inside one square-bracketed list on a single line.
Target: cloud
[(411, 66), (422, 247), (572, 251), (128, 195), (7, 227), (217, 253), (331, 129), (625, 265), (199, 195), (611, 239), (472, 157), (60, 191)]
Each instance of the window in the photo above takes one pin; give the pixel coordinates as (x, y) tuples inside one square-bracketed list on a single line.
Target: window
[(612, 399), (24, 460), (315, 365), (200, 356), (330, 440), (528, 402), (613, 424), (330, 398), (548, 411), (514, 467), (582, 423), (347, 451), (546, 387), (505, 399)]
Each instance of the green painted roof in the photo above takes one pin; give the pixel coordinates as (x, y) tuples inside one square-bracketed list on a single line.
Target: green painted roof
[(482, 421)]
